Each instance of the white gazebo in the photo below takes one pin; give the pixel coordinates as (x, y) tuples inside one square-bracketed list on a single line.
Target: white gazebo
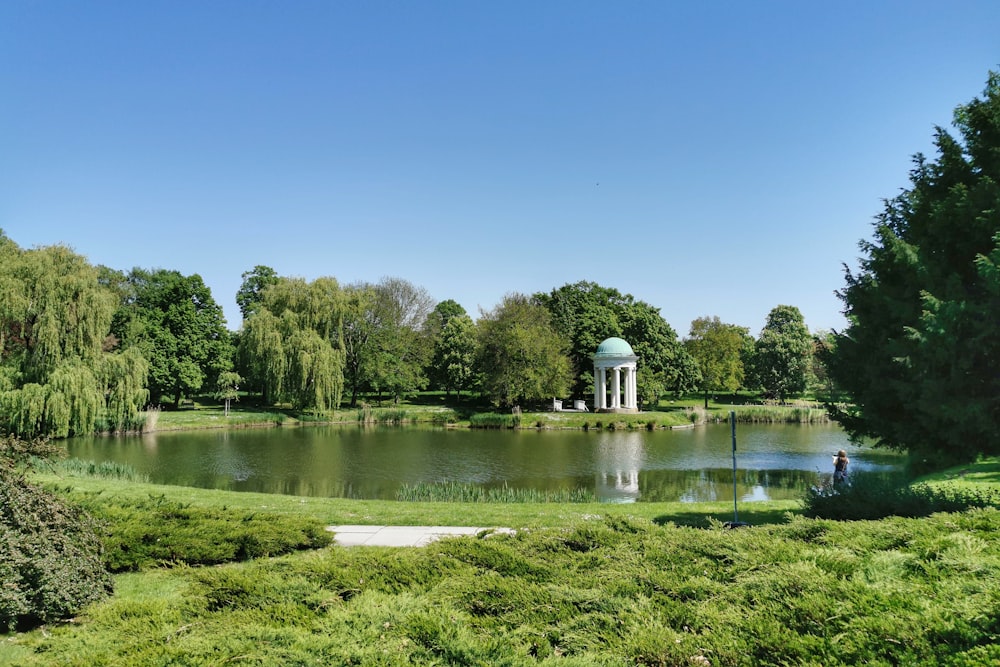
[(616, 356)]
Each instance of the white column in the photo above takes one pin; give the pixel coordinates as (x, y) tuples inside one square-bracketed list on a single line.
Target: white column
[(604, 388), (628, 387), (633, 394), (597, 389), (616, 389)]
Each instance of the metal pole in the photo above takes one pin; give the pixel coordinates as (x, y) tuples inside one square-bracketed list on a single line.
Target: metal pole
[(732, 421)]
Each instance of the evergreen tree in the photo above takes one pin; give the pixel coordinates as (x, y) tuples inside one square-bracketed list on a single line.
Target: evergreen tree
[(920, 358)]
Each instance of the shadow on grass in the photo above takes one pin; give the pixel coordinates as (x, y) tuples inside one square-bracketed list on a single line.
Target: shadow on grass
[(702, 519)]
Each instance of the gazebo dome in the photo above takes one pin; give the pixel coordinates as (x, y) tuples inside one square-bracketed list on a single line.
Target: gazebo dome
[(614, 347)]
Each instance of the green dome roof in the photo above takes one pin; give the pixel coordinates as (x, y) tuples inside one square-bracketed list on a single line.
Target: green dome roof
[(614, 347)]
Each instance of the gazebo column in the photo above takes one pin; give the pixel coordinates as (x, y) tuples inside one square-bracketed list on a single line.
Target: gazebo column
[(628, 387), (616, 389), (631, 390)]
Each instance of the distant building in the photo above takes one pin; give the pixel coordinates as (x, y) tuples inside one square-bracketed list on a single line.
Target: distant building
[(616, 356)]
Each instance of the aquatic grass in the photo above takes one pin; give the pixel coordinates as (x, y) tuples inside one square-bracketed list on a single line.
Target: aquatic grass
[(771, 414), (494, 420), (102, 470), (366, 414), (458, 492)]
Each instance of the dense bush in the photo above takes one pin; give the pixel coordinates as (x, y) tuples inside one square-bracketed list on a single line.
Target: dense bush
[(875, 496), (159, 532), (50, 552)]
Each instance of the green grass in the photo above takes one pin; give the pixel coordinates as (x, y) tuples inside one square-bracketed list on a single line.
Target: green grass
[(377, 512)]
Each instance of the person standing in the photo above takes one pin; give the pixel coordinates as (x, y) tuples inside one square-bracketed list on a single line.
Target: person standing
[(840, 462)]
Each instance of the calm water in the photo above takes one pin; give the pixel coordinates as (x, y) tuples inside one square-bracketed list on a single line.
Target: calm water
[(773, 462)]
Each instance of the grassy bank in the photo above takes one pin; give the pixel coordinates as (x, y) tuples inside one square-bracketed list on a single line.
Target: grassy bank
[(668, 414)]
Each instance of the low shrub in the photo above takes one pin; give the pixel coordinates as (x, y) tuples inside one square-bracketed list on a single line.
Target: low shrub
[(159, 532), (876, 496)]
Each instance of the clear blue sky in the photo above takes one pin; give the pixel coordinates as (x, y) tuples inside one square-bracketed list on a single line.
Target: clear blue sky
[(710, 158)]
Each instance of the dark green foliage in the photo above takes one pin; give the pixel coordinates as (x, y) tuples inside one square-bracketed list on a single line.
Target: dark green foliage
[(875, 496), (520, 355), (782, 354), (920, 358), (179, 328), (159, 532), (250, 293), (50, 551)]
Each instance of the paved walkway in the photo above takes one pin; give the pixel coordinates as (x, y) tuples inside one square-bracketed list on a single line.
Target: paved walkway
[(400, 536)]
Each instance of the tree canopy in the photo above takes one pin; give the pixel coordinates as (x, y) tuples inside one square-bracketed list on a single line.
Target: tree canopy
[(783, 353), (920, 358), (179, 328), (292, 345), (60, 372), (521, 355), (717, 348)]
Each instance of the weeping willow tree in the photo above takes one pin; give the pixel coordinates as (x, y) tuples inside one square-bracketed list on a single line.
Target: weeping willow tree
[(291, 346), (57, 373)]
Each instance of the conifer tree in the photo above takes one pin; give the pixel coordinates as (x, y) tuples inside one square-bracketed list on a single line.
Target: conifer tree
[(920, 357)]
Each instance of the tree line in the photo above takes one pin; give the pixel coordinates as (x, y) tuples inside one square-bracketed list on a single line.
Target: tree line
[(87, 348)]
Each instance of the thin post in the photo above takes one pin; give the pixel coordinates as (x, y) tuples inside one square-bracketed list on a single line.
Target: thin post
[(732, 422)]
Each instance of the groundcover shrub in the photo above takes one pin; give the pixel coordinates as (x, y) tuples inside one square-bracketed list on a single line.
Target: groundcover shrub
[(161, 532), (875, 496), (615, 592)]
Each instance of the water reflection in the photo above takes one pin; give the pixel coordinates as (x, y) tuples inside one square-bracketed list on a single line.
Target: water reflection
[(620, 457), (774, 462)]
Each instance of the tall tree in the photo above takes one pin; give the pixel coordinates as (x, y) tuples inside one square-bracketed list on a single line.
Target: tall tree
[(920, 358), (434, 326), (521, 356), (385, 337), (179, 328), (292, 344), (782, 353), (455, 354), (717, 347), (58, 367)]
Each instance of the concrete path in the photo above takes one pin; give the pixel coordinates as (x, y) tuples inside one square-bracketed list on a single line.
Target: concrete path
[(400, 536)]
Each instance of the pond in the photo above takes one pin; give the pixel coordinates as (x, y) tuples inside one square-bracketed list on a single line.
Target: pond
[(773, 461)]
